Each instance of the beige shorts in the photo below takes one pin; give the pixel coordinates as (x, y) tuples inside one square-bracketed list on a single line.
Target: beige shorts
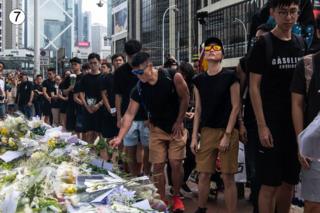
[(209, 150), (163, 146)]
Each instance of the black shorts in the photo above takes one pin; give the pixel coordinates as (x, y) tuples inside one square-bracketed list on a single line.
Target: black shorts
[(79, 125), (63, 106), (46, 109), (280, 163), (109, 127), (93, 121)]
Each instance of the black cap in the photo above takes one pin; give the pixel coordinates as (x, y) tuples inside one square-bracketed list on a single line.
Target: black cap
[(214, 40), (75, 60)]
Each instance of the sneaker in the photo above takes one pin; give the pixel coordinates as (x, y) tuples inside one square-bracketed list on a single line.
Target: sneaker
[(177, 205), (171, 194), (201, 210), (186, 191)]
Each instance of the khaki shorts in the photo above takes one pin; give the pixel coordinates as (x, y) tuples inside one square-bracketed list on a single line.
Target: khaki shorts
[(209, 149), (163, 146)]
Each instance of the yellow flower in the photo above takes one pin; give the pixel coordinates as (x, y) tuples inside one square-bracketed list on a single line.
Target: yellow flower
[(71, 189), (4, 131), (52, 143)]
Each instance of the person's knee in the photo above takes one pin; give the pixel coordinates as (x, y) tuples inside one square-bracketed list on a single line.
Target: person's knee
[(268, 191), (158, 168), (228, 180), (204, 177), (287, 187), (175, 164)]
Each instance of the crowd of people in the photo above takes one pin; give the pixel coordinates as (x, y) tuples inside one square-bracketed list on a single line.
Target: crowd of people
[(179, 118)]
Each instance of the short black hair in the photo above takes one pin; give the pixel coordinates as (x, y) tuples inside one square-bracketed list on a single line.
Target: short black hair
[(132, 47), (75, 60), (85, 66), (282, 3), (115, 56), (51, 69), (187, 71), (109, 65), (94, 56), (39, 75), (170, 62), (140, 58), (2, 64)]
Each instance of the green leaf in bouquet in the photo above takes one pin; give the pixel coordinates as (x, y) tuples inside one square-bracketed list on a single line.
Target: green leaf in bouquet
[(7, 179)]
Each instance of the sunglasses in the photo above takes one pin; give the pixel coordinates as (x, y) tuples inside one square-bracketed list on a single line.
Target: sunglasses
[(214, 47), (137, 72)]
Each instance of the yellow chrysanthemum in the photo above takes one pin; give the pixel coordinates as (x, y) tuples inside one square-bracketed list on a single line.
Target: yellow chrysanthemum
[(4, 131), (52, 143), (70, 189), (4, 140), (11, 143)]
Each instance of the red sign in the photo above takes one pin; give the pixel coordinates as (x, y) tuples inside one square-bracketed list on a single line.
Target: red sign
[(84, 44)]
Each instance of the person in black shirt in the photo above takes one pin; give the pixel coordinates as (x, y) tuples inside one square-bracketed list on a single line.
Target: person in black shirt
[(248, 129), (217, 96), (269, 87), (124, 82), (25, 96), (91, 98), (165, 96), (38, 96), (109, 120), (47, 89), (117, 61), (68, 90)]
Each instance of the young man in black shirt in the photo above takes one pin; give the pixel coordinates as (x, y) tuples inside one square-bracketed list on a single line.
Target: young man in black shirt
[(270, 78), (25, 96), (91, 98), (217, 95), (124, 82), (117, 61), (165, 96), (38, 96), (68, 90), (109, 119), (47, 89)]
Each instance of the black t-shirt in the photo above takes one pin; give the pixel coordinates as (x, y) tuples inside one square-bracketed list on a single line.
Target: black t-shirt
[(312, 96), (215, 97), (160, 100), (276, 75), (37, 97), (66, 84), (49, 85), (107, 83), (24, 92), (124, 82), (90, 85)]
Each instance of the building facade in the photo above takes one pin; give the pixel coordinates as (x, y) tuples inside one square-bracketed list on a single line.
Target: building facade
[(230, 21), (2, 25), (119, 24), (13, 35)]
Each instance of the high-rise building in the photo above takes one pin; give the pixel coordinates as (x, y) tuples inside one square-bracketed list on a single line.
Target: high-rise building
[(13, 33), (99, 40), (78, 20), (109, 18), (61, 15), (86, 28)]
